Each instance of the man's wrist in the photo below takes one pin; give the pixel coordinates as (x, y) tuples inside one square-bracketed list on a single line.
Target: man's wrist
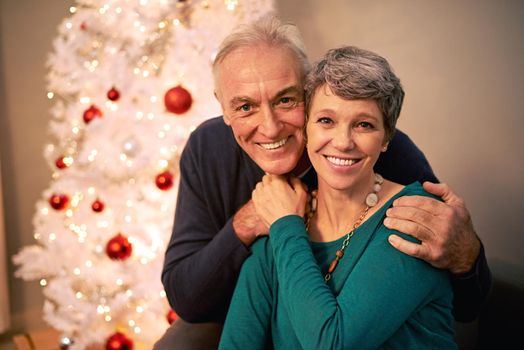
[(466, 265)]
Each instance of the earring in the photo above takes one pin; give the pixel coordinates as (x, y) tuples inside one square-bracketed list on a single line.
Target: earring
[(385, 148)]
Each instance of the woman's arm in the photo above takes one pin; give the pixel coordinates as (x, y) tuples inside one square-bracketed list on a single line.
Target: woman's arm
[(383, 290), (247, 324)]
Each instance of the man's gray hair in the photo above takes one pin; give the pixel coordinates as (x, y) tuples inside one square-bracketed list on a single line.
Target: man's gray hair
[(355, 74), (267, 30)]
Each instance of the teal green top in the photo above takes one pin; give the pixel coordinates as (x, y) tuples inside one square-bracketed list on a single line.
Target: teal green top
[(378, 297)]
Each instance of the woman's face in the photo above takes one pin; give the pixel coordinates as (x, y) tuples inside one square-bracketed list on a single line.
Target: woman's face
[(345, 138)]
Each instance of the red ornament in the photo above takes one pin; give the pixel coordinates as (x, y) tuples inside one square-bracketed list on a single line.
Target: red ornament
[(113, 94), (59, 201), (164, 181), (178, 100), (61, 163), (119, 341), (97, 206), (83, 26), (92, 113), (171, 316), (119, 248)]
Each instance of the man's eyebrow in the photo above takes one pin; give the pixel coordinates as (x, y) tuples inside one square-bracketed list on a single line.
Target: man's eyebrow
[(235, 101), (290, 89)]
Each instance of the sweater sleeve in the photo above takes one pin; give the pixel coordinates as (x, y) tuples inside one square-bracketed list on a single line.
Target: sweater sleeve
[(247, 324), (203, 259), (384, 279)]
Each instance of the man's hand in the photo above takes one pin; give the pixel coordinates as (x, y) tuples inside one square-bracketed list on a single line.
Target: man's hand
[(445, 229), (248, 225)]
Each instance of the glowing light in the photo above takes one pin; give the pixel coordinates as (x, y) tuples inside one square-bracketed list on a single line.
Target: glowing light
[(137, 330), (153, 99), (176, 22), (119, 282), (150, 116), (145, 73), (79, 295), (85, 100), (162, 25), (231, 4), (75, 130), (123, 157), (76, 271), (143, 2), (69, 25), (143, 261), (129, 293), (107, 318), (161, 134), (131, 323), (162, 163), (69, 213), (43, 282), (118, 10), (50, 95), (89, 263), (92, 155), (99, 248), (139, 115), (44, 211), (52, 236), (72, 9), (36, 236), (91, 190), (139, 309), (136, 71), (128, 219), (100, 309), (129, 203)]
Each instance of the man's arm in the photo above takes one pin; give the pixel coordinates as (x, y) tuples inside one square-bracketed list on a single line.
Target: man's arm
[(445, 228), (449, 242), (204, 255)]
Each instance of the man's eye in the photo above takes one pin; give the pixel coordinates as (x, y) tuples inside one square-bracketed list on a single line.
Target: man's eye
[(286, 102), (244, 108)]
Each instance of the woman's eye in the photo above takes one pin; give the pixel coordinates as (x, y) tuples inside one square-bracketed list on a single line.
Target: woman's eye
[(365, 125), (324, 120)]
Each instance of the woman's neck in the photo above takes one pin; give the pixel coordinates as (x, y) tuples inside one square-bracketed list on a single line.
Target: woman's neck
[(338, 210)]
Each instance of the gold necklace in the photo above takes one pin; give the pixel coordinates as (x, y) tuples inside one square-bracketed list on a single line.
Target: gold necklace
[(371, 200)]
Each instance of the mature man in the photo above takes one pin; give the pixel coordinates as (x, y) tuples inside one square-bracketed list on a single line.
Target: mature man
[(259, 73)]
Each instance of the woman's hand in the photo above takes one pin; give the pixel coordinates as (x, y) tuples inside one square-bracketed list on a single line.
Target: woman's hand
[(275, 197)]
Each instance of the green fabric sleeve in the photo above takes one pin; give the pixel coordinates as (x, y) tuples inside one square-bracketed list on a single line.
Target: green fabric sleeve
[(247, 324), (372, 304)]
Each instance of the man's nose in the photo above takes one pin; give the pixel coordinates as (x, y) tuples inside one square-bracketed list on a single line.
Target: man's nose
[(271, 124)]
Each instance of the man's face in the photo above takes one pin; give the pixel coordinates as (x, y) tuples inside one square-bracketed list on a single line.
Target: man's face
[(261, 94)]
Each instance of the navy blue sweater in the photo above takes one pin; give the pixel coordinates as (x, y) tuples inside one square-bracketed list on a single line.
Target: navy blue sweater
[(204, 256)]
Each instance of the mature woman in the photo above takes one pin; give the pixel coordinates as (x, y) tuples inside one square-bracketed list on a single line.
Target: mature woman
[(333, 281)]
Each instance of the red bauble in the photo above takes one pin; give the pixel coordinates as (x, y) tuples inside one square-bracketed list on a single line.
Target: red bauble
[(113, 94), (60, 163), (97, 206), (178, 100), (171, 316), (92, 113), (119, 341), (83, 26), (119, 248), (164, 181), (59, 201)]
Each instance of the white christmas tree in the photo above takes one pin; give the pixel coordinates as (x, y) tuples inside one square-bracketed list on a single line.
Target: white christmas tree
[(130, 80)]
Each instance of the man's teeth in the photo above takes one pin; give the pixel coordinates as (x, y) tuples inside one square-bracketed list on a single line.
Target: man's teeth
[(273, 145), (340, 161)]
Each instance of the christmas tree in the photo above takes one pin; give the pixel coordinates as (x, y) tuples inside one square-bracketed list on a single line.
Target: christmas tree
[(129, 81)]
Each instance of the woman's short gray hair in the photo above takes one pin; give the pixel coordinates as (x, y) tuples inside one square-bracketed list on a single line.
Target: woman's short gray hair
[(267, 30), (354, 74)]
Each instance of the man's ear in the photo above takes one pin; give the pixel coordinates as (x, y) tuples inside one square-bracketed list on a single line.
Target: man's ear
[(226, 119)]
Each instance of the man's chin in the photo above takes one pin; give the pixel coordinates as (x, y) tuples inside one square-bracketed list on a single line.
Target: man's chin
[(281, 167)]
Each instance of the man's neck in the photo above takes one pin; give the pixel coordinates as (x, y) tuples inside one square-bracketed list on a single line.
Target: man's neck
[(302, 166)]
